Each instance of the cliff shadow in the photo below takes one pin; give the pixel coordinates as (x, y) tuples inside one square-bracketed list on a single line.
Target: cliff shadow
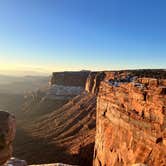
[(85, 156), (39, 151)]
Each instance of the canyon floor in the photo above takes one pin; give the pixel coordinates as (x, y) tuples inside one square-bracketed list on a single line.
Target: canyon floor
[(62, 135)]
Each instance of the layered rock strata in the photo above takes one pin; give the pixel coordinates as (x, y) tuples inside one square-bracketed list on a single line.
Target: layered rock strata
[(131, 123), (93, 82), (77, 78), (65, 85)]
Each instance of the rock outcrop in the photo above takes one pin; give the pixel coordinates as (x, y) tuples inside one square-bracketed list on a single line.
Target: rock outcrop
[(69, 78), (65, 85), (7, 134), (131, 123), (93, 82)]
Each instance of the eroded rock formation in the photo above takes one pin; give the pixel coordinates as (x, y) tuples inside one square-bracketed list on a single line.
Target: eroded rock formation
[(7, 134), (93, 82), (131, 123), (65, 85)]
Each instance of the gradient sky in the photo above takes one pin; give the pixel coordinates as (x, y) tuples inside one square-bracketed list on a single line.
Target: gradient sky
[(41, 36)]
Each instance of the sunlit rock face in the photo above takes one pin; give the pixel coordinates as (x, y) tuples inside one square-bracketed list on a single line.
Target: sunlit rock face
[(93, 82), (7, 134), (139, 164), (131, 123)]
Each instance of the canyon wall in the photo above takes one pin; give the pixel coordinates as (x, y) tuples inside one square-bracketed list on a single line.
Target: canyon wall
[(93, 82), (7, 134), (77, 78), (131, 122), (65, 85)]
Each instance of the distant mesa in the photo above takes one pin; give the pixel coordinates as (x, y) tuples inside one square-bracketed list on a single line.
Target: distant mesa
[(69, 78)]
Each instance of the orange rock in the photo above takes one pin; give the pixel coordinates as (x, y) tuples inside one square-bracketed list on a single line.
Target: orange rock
[(131, 124)]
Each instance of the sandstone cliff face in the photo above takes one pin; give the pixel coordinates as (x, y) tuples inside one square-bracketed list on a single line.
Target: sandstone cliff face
[(69, 78), (65, 85), (93, 82), (7, 134), (131, 123)]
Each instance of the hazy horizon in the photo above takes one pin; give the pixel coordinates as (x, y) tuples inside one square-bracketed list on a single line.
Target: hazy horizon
[(47, 74)]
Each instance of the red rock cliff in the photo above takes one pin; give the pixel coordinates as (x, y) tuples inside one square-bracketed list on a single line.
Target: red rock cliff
[(93, 82), (131, 123)]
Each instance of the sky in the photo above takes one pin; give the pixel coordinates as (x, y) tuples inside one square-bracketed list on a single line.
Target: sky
[(42, 36)]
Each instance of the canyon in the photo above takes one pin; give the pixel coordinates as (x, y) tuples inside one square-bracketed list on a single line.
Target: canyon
[(62, 123), (109, 118)]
